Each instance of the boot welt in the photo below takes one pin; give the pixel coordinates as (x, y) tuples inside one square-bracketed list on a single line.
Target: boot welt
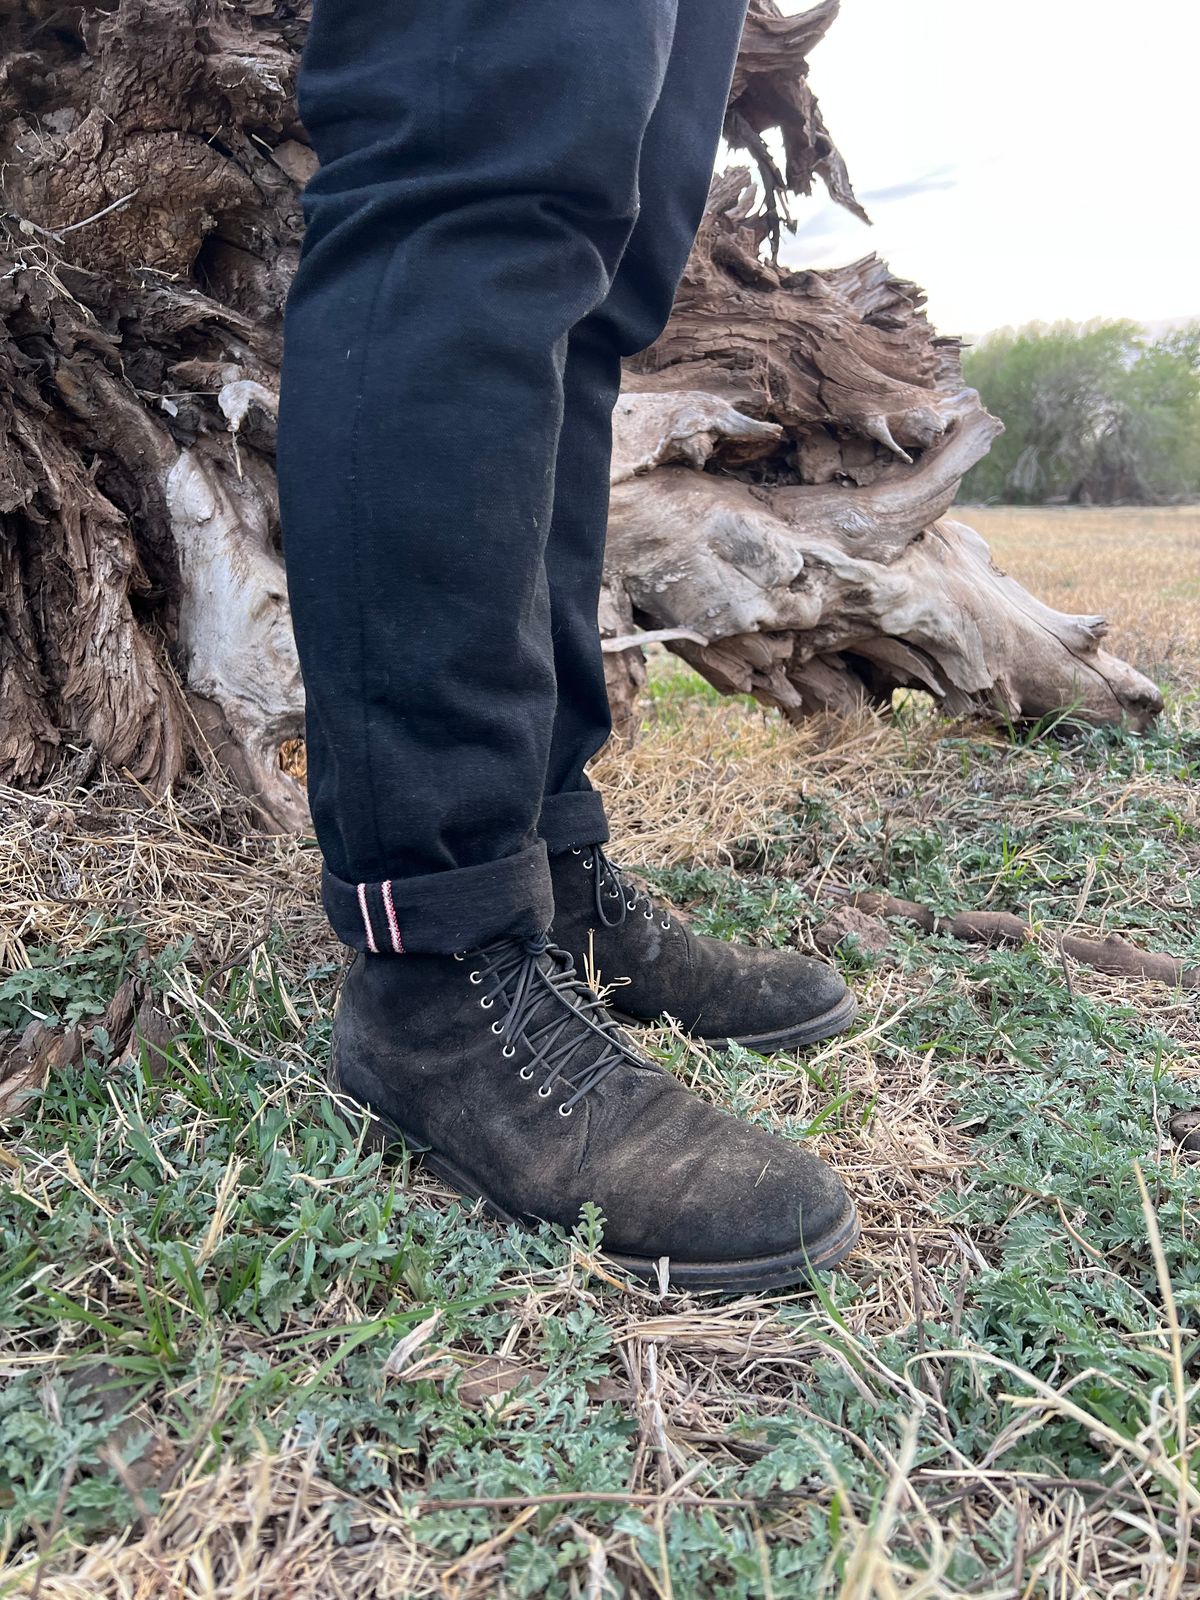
[(745, 1275), (755, 1274), (823, 1026)]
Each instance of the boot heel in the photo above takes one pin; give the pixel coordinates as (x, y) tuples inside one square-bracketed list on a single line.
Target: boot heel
[(357, 1117), (379, 1133)]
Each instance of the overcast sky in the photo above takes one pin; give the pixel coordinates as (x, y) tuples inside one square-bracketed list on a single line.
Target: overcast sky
[(1021, 159)]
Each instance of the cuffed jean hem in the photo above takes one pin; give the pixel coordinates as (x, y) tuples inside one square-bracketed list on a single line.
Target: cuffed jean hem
[(444, 912), (572, 819)]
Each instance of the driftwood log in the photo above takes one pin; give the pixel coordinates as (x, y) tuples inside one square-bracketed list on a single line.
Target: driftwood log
[(860, 918), (817, 564), (786, 454)]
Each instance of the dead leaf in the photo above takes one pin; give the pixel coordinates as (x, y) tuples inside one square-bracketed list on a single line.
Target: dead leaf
[(27, 1061), (117, 1020), (155, 1462), (399, 1363), (490, 1377), (153, 1034)]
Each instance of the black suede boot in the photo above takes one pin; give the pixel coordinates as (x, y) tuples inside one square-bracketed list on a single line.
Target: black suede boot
[(650, 965), (505, 1071)]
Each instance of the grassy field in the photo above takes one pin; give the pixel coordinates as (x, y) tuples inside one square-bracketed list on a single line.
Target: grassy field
[(240, 1358), (1137, 565)]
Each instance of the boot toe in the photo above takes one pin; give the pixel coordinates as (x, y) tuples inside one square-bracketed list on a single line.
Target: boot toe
[(771, 999), (771, 1223), (723, 1192), (813, 987), (797, 1202)]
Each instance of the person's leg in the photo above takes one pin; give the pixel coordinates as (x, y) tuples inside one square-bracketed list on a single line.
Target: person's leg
[(650, 963), (477, 187), (477, 191), (674, 173)]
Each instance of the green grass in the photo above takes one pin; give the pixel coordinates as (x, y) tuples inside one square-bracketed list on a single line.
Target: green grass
[(210, 1244)]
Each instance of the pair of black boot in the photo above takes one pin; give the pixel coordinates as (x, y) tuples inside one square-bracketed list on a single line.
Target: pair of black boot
[(513, 1077)]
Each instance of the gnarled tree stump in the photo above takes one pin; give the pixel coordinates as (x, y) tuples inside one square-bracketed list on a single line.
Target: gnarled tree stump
[(785, 459), (786, 453)]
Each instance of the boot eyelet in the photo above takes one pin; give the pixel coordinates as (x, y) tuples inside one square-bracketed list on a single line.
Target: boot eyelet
[(509, 1051), (477, 977), (525, 1074), (497, 1027), (665, 924), (587, 861), (545, 1092), (576, 852), (487, 1002), (649, 914), (631, 905), (565, 1110), (459, 956)]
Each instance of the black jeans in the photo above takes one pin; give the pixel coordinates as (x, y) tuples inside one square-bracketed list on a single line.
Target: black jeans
[(507, 195)]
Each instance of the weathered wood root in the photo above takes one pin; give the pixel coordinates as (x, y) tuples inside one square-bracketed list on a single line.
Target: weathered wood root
[(771, 90), (787, 451), (786, 456), (150, 162), (861, 917)]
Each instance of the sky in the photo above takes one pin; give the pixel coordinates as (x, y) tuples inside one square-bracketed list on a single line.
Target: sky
[(1022, 160)]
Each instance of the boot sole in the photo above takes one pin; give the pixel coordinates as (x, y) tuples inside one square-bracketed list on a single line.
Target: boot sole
[(747, 1275), (836, 1020)]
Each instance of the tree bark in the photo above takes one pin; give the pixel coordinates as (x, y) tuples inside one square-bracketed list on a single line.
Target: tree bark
[(152, 164), (786, 453)]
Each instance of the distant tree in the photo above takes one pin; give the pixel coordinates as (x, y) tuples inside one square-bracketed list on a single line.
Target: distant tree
[(1094, 414)]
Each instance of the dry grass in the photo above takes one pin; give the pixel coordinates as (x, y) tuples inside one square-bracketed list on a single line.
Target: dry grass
[(714, 785), (185, 866), (1137, 565), (180, 868)]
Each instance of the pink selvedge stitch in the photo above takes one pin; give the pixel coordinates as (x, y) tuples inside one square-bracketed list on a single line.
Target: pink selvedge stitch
[(397, 945), (362, 906)]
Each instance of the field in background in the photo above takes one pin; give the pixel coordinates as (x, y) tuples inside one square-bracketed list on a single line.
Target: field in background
[(340, 1383), (1137, 565)]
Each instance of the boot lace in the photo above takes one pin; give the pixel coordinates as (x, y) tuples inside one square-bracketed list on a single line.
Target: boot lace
[(611, 884), (543, 1006)]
